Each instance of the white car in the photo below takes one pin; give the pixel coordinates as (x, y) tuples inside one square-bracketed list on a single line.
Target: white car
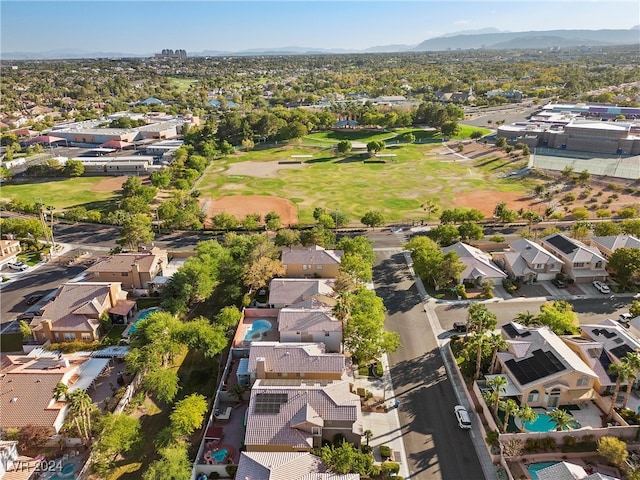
[(464, 420), (15, 265), (602, 288)]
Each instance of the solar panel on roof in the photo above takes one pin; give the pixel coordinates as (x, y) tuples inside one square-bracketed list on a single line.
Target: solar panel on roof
[(510, 330), (562, 244), (621, 351), (605, 361), (539, 365), (270, 403)]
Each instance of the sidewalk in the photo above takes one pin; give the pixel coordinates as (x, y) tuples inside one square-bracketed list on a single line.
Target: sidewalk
[(384, 426)]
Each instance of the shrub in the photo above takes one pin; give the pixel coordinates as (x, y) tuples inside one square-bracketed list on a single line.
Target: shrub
[(492, 438), (385, 451), (569, 440), (508, 285), (231, 470), (461, 291), (497, 238), (549, 443), (338, 439), (389, 468)]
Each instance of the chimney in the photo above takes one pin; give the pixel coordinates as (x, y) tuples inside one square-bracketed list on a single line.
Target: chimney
[(261, 368)]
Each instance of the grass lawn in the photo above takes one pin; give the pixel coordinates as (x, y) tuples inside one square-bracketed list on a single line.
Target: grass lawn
[(183, 84), (146, 302), (114, 335), (60, 193), (31, 258), (396, 187)]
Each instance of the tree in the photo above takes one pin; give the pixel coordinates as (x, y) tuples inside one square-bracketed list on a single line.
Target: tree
[(59, 391), (34, 437), (633, 361), (188, 415), (501, 142), (136, 230), (73, 168), (376, 146), (631, 227), (162, 383), (526, 415), (561, 418), (430, 206), (625, 265), (614, 450), (286, 237), (174, 464), (431, 264), (634, 309), (497, 344), (479, 321), (251, 221), (272, 220), (364, 334), (80, 406), (445, 235), (567, 172), (508, 407), (224, 221), (584, 177), (450, 129), (373, 219), (25, 329), (580, 230), (344, 147), (468, 230), (496, 384), (605, 229), (118, 434), (318, 235), (229, 317), (368, 435), (344, 458), (132, 186), (621, 371), (559, 316), (237, 391), (259, 272)]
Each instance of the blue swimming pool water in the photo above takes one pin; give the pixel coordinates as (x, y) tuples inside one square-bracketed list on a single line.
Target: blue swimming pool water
[(544, 424), (143, 314), (68, 471), (257, 329), (535, 467), (220, 455)]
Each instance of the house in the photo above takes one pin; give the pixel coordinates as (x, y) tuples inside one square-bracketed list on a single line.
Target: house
[(570, 471), (478, 264), (272, 360), (285, 292), (74, 314), (286, 465), (14, 466), (609, 244), (310, 325), (134, 271), (298, 416), (526, 261), (542, 370), (601, 345), (581, 263), (9, 250), (312, 262)]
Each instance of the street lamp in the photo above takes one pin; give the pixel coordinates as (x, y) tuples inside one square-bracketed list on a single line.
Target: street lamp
[(51, 209)]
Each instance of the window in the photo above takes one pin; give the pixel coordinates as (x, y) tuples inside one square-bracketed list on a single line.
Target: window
[(86, 337), (69, 336), (125, 274), (583, 381), (315, 431), (533, 396), (326, 334), (538, 266), (598, 264), (304, 267), (318, 267), (56, 335), (579, 264)]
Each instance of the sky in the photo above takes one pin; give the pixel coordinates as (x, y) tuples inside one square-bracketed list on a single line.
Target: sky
[(147, 27)]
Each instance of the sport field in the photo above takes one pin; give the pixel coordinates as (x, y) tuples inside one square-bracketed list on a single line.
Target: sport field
[(396, 186), (62, 193), (183, 84)]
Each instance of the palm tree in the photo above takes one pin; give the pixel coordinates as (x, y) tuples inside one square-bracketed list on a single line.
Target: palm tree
[(526, 415), (368, 435), (480, 320), (633, 361), (237, 390), (508, 407), (497, 344), (496, 384), (621, 371), (561, 418), (525, 318), (81, 406), (59, 391)]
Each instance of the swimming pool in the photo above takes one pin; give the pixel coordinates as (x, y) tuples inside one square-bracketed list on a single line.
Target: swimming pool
[(257, 328), (535, 467), (68, 471), (220, 455), (141, 316), (544, 424)]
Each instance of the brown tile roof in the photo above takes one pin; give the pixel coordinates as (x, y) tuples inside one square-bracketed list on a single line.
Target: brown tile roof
[(288, 291), (295, 357), (123, 262), (286, 466), (332, 401), (315, 255), (317, 320), (27, 398), (123, 307)]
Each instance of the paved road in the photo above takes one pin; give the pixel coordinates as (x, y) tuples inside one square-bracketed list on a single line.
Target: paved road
[(437, 448), (589, 310)]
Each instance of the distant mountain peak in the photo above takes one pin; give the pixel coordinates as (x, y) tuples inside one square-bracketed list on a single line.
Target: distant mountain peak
[(481, 31)]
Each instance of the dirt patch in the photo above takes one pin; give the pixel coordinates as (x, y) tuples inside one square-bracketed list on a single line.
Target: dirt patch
[(486, 201), (261, 169), (112, 184), (242, 205)]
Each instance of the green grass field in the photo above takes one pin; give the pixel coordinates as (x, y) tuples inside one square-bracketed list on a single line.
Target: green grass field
[(60, 193), (183, 84), (396, 186)]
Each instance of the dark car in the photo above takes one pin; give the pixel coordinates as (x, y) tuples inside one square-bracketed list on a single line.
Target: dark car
[(559, 283), (460, 326), (34, 298)]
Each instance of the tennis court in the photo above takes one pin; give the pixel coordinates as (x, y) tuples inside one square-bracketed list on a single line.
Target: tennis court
[(603, 165)]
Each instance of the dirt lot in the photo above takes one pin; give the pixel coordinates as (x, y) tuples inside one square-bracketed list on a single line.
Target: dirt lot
[(260, 169), (110, 184), (242, 205)]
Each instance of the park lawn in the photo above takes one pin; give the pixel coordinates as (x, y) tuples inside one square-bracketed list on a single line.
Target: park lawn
[(467, 130), (62, 193), (396, 186), (183, 84)]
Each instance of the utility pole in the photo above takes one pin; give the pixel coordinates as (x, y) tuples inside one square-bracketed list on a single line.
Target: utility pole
[(51, 209)]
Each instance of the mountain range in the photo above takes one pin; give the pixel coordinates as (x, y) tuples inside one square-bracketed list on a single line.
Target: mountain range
[(489, 38)]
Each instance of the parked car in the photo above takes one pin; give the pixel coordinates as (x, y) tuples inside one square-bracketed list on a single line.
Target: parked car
[(624, 319), (460, 326), (15, 265), (558, 283), (33, 298), (602, 288), (462, 416)]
